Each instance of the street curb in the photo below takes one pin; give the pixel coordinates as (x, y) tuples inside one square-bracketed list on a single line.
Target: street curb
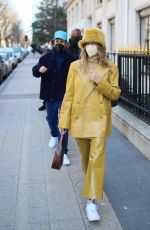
[(135, 130)]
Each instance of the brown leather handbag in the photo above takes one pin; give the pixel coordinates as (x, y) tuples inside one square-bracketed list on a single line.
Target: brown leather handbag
[(58, 154)]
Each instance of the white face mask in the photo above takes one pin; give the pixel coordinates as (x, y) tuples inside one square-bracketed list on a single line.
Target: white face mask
[(91, 50)]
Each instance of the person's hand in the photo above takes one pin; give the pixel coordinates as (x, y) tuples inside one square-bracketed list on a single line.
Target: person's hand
[(94, 77), (42, 69), (62, 131)]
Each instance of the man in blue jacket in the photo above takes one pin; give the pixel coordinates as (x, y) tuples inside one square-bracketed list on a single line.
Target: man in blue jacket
[(53, 70)]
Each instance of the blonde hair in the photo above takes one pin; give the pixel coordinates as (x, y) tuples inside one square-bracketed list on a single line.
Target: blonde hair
[(101, 57)]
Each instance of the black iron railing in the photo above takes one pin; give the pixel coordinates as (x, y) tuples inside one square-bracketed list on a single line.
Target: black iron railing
[(134, 71)]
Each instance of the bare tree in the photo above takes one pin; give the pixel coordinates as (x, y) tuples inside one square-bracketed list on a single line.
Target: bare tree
[(10, 24), (55, 14)]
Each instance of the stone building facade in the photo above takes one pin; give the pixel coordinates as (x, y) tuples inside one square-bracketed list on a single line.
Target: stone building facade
[(125, 22)]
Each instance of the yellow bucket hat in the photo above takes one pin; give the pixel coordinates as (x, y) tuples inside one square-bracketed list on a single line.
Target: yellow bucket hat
[(92, 35)]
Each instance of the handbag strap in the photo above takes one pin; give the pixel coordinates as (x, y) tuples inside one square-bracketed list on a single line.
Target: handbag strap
[(61, 139)]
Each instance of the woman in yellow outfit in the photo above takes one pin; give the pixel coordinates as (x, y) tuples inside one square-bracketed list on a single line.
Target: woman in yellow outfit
[(92, 84)]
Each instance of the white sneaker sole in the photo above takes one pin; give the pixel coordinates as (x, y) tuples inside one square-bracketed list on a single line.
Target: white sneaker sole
[(93, 219), (66, 164), (52, 146)]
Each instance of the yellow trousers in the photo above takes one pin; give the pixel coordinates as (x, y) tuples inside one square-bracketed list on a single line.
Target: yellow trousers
[(93, 161)]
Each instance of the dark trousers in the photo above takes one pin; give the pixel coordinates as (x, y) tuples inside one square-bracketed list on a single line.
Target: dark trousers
[(52, 109)]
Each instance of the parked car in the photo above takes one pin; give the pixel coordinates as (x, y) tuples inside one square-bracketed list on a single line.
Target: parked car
[(5, 58), (3, 70), (11, 55), (18, 53), (24, 51)]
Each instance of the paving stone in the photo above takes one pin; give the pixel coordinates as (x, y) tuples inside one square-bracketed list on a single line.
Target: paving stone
[(32, 227), (32, 174), (32, 216), (63, 206), (57, 184), (36, 201), (28, 148), (34, 177), (28, 166), (31, 196), (68, 224), (8, 197), (8, 178), (32, 162), (10, 156), (7, 228), (32, 154), (7, 217), (9, 164), (8, 202)]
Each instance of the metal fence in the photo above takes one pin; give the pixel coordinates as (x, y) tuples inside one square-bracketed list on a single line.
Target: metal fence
[(134, 81)]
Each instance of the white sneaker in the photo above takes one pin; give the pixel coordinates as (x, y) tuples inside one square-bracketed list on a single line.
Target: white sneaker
[(53, 142), (66, 160), (91, 211)]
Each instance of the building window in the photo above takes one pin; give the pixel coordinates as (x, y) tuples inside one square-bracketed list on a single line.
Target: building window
[(99, 25), (112, 34), (89, 22), (72, 18), (68, 19), (99, 2), (77, 11), (82, 8), (145, 28)]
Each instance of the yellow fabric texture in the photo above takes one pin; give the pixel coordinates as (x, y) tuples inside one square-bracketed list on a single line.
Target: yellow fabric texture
[(93, 162), (93, 35), (86, 108), (86, 112)]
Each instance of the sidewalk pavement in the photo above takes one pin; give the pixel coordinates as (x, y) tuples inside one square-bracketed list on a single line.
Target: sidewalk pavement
[(33, 196)]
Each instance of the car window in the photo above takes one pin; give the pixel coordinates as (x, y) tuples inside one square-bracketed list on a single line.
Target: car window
[(4, 56), (17, 50)]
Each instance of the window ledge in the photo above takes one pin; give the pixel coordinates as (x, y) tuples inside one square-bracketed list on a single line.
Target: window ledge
[(99, 5)]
